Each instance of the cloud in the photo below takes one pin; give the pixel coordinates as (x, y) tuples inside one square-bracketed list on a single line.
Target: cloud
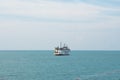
[(50, 9), (109, 24), (56, 10)]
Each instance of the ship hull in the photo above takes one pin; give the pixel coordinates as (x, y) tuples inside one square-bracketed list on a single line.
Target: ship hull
[(61, 54)]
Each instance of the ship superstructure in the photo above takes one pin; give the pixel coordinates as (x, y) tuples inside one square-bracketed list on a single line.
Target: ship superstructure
[(61, 50)]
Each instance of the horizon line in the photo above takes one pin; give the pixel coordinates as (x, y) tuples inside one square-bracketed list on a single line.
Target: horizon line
[(53, 50)]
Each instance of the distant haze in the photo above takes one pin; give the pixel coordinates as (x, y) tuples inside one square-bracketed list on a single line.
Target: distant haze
[(43, 24)]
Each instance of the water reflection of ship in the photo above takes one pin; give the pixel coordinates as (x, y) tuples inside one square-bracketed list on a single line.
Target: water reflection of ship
[(62, 50)]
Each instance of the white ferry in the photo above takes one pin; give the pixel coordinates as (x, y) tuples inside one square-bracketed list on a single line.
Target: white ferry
[(62, 50)]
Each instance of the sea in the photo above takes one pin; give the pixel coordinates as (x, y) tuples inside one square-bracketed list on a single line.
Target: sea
[(43, 65)]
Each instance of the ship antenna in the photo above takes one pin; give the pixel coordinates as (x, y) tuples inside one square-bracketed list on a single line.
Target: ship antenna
[(64, 45), (60, 44)]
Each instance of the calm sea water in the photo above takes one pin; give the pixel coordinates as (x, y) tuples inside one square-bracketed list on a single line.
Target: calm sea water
[(43, 65)]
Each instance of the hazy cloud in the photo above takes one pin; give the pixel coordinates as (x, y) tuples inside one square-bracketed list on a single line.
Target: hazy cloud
[(30, 24)]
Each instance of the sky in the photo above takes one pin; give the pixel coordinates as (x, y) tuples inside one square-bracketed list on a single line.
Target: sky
[(43, 24)]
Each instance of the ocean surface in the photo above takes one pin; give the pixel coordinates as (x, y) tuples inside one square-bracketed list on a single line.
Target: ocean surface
[(43, 65)]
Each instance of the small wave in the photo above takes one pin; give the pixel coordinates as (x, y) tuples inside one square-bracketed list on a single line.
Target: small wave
[(87, 77), (12, 75), (2, 78)]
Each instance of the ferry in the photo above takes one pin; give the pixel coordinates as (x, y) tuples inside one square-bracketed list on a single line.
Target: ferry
[(62, 50)]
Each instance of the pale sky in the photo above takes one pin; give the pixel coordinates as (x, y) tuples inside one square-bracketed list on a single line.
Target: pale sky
[(43, 24)]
